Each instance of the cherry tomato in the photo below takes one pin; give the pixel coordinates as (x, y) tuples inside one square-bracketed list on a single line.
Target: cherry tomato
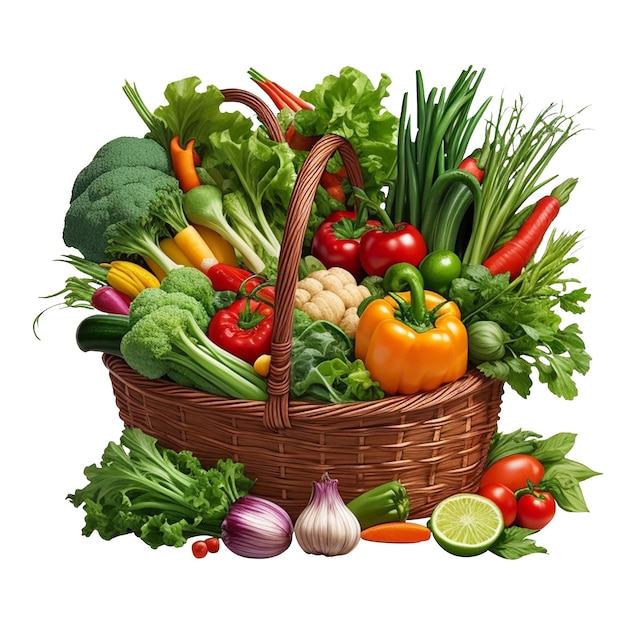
[(514, 471), (535, 509), (504, 498), (213, 544), (199, 549), (439, 268)]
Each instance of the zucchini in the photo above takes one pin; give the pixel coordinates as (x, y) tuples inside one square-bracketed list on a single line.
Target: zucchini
[(102, 332)]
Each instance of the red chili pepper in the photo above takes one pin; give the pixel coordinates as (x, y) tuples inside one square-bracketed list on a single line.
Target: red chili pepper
[(470, 164), (226, 277), (515, 254), (244, 328), (336, 241)]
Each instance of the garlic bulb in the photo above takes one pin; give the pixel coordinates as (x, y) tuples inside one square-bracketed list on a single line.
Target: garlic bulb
[(326, 525)]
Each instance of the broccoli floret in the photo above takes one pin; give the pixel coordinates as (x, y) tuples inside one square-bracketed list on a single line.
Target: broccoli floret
[(169, 341), (121, 152), (189, 280), (113, 214), (152, 298), (194, 283)]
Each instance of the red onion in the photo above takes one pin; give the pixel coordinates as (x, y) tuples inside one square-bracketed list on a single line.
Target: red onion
[(109, 300), (256, 528)]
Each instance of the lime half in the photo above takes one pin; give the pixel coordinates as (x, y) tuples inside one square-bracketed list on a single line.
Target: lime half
[(466, 524)]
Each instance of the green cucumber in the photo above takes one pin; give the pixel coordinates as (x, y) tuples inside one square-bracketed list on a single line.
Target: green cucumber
[(102, 332)]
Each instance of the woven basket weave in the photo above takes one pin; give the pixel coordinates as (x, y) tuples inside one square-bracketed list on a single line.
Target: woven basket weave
[(435, 443)]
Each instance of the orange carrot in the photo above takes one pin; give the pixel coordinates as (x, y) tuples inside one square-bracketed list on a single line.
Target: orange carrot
[(170, 247), (222, 249), (396, 532), (195, 248), (284, 99), (184, 164), (280, 96)]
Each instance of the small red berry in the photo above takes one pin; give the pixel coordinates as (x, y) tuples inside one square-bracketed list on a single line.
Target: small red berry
[(199, 549), (212, 544)]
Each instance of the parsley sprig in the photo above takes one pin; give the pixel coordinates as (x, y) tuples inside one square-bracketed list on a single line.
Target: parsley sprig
[(530, 310)]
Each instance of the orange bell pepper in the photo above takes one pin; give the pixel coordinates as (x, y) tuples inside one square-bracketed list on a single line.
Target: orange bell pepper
[(413, 340)]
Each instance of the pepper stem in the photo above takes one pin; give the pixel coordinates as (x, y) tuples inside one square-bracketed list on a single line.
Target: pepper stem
[(379, 212), (403, 277)]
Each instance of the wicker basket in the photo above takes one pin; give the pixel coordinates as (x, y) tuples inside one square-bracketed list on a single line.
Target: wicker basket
[(435, 443)]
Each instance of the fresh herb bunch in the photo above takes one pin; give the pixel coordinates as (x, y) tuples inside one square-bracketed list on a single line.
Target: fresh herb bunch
[(529, 310), (162, 496)]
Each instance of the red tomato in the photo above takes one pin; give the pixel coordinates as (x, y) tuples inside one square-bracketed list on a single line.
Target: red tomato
[(514, 471), (535, 510), (504, 498), (213, 544), (380, 249), (336, 241), (199, 549)]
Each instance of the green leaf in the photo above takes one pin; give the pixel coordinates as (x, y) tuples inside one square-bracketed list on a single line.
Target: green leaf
[(554, 448), (527, 311), (351, 106), (514, 543), (160, 495), (517, 442), (562, 479), (193, 114), (570, 302)]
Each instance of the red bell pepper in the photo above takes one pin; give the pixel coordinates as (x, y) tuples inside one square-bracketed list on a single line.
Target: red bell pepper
[(244, 328), (226, 277), (336, 241)]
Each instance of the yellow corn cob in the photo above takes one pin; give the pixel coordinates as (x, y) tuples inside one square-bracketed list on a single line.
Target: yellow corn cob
[(130, 278)]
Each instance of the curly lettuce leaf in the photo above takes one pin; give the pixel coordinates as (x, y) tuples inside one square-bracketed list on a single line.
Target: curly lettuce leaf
[(350, 105), (162, 496), (193, 114)]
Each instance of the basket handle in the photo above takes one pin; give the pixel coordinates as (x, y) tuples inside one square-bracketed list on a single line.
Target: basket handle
[(276, 412), (259, 106)]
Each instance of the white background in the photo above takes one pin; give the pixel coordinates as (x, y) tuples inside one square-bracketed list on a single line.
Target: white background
[(64, 64)]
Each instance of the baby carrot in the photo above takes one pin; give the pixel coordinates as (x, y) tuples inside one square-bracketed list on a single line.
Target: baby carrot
[(396, 532)]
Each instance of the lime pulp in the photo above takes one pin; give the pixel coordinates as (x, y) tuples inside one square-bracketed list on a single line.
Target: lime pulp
[(466, 524)]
